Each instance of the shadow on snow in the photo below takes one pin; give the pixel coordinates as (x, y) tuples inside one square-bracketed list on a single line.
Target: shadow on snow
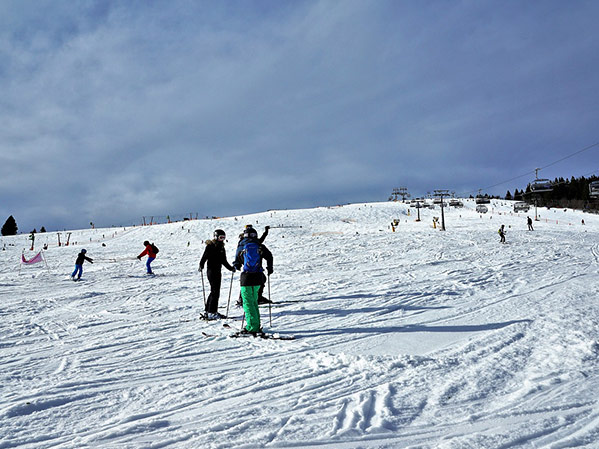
[(411, 328)]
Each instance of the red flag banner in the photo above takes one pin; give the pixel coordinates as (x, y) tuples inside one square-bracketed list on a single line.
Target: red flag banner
[(35, 259)]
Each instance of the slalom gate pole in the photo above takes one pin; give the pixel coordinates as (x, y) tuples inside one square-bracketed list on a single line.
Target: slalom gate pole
[(270, 303), (230, 288), (203, 289)]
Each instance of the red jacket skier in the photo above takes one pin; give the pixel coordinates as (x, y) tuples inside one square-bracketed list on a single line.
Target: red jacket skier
[(150, 251)]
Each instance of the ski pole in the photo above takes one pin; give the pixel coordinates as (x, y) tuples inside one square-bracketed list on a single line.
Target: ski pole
[(230, 288), (270, 302), (203, 288)]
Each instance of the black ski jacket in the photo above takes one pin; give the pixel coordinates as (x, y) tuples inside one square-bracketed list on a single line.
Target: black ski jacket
[(81, 257), (215, 256), (264, 234)]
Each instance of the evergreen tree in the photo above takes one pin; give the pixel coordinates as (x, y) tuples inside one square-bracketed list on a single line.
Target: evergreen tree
[(508, 195), (42, 229), (10, 226), (517, 195)]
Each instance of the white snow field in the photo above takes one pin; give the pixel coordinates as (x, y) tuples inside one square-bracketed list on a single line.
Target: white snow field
[(410, 339)]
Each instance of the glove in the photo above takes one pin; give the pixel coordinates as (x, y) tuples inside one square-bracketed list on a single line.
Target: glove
[(269, 270), (201, 268), (233, 270), (266, 228), (138, 258)]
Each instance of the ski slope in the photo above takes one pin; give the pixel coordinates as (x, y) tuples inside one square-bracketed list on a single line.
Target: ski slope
[(409, 339)]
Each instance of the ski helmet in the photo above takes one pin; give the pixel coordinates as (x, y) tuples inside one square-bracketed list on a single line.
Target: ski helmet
[(219, 233), (250, 232), (83, 251)]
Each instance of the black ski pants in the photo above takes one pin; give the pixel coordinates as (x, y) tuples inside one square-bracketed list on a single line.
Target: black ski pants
[(214, 278)]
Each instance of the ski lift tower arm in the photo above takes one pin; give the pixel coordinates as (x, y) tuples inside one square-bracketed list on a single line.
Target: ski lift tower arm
[(441, 193)]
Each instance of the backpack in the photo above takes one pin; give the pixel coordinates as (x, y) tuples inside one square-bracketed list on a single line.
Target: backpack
[(252, 259), (155, 249)]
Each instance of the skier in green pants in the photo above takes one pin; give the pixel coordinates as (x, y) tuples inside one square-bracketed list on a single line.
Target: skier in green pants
[(250, 253)]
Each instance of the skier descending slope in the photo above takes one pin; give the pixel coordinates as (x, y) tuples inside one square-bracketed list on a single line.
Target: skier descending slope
[(214, 256), (81, 257), (249, 255), (501, 233), (151, 251)]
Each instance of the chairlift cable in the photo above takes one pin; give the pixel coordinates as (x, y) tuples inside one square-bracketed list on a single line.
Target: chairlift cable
[(533, 171), (569, 156)]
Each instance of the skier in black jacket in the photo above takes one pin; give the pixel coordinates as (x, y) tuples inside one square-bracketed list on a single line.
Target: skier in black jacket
[(214, 257), (81, 257), (502, 234)]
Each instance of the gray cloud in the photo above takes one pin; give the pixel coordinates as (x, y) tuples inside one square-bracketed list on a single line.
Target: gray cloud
[(117, 110)]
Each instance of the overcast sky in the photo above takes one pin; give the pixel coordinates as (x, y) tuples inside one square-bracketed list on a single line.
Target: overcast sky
[(111, 111)]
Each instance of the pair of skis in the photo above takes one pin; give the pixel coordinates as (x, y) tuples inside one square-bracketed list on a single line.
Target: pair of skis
[(263, 335), (260, 335), (242, 334)]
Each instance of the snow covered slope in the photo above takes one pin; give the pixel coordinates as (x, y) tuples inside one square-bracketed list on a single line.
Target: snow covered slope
[(408, 339)]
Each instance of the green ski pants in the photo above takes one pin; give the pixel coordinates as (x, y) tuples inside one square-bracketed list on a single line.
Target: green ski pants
[(249, 295)]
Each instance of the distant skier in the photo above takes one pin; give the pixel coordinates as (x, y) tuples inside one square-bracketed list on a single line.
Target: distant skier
[(249, 255), (530, 228), (250, 230), (214, 257), (151, 251), (502, 234), (81, 257)]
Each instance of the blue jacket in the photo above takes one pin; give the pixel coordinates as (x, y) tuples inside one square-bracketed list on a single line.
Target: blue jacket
[(249, 279)]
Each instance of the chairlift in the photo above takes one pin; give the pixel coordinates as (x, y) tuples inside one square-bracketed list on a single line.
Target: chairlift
[(541, 185), (594, 189), (482, 200)]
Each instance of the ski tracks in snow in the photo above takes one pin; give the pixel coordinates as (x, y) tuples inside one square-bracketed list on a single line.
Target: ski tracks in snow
[(365, 413), (409, 339)]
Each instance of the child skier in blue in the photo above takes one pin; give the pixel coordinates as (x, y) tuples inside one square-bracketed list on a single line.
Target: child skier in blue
[(79, 264)]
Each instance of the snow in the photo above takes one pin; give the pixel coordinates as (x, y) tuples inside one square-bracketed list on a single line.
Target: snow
[(410, 339)]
